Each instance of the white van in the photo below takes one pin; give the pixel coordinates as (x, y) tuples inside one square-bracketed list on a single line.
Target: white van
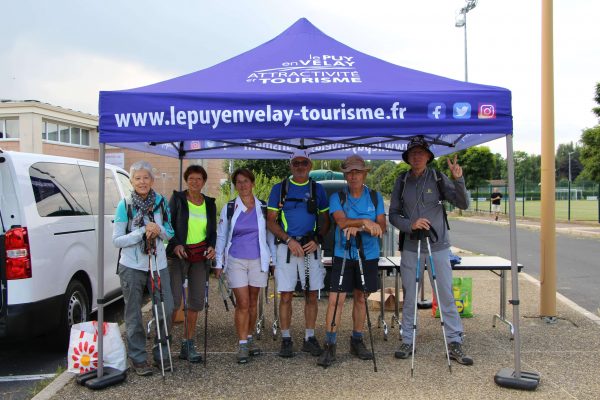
[(48, 236)]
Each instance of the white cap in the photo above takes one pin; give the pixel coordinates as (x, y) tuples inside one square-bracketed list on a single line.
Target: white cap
[(300, 153)]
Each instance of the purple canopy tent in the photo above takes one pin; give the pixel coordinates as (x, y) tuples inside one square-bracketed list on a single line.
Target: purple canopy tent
[(305, 89)]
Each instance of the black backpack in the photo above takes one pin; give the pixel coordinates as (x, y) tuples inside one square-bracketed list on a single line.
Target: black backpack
[(439, 182)]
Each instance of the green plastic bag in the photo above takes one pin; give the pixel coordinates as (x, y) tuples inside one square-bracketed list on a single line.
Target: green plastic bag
[(463, 296)]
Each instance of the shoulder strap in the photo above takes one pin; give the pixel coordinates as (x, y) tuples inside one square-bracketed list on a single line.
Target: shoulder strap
[(342, 196), (373, 194), (230, 209), (283, 192), (263, 207), (440, 187)]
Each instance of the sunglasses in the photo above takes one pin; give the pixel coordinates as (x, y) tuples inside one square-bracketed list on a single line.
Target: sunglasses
[(303, 163)]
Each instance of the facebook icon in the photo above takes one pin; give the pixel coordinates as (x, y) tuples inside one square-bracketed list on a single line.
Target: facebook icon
[(436, 111)]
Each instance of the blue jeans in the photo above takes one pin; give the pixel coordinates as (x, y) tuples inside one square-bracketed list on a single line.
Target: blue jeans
[(133, 282)]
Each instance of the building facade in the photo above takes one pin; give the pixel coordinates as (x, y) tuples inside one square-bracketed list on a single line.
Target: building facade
[(34, 127)]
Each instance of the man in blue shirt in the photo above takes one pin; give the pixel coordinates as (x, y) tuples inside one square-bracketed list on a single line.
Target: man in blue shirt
[(356, 212), (293, 210)]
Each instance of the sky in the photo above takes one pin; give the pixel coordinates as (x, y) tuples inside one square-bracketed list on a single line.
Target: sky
[(63, 52)]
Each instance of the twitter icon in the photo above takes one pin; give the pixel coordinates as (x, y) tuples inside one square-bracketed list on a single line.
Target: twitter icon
[(461, 111)]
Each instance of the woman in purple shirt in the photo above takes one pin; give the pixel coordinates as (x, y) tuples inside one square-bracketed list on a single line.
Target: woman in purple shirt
[(243, 254)]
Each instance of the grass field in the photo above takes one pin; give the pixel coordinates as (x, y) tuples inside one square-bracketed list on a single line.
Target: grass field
[(581, 210)]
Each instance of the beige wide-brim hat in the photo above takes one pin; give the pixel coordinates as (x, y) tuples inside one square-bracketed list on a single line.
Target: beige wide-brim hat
[(354, 162)]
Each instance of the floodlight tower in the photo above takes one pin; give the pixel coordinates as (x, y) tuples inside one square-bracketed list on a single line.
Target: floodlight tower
[(461, 21)]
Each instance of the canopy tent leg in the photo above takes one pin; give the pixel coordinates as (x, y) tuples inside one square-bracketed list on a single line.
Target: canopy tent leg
[(507, 377)]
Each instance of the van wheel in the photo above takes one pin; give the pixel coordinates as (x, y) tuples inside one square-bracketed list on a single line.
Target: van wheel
[(76, 309)]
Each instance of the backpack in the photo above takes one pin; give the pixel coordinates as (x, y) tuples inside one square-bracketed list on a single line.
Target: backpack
[(439, 183), (311, 207), (165, 218)]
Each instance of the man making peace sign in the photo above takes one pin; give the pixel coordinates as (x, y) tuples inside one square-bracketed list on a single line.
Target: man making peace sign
[(415, 208)]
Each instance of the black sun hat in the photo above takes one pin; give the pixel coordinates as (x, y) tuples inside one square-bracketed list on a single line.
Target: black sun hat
[(417, 141)]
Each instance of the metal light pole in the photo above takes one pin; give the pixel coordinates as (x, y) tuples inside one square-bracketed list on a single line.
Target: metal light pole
[(569, 195), (461, 20)]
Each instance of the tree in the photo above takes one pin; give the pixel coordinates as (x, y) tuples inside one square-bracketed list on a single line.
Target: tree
[(527, 167), (596, 110), (389, 180), (500, 170), (478, 165), (562, 161), (270, 168), (590, 153), (378, 174)]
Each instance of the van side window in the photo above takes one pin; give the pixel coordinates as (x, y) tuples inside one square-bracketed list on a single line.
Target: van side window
[(111, 191), (59, 190)]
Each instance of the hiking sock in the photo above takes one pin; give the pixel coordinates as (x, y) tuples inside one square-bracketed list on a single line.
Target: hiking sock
[(357, 335), (309, 333), (243, 342), (285, 333), (331, 337)]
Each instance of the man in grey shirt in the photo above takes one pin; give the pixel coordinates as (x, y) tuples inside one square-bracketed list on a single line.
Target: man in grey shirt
[(416, 205)]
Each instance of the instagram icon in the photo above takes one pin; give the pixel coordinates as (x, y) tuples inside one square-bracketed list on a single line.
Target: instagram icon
[(486, 111)]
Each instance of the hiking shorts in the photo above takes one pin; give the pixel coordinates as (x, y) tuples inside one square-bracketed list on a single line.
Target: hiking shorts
[(495, 207), (287, 274), (243, 272), (351, 279)]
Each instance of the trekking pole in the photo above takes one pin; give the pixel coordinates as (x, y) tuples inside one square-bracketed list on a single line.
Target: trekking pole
[(275, 309), (184, 285), (362, 279), (258, 328), (208, 265), (156, 284), (435, 286), (306, 276), (412, 361), (224, 292), (337, 296)]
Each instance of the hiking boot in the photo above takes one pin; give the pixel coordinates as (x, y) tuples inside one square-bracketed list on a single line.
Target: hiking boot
[(312, 346), (328, 356), (188, 351), (287, 348), (405, 351), (166, 364), (252, 349), (243, 354), (358, 348), (141, 369), (496, 218), (457, 354)]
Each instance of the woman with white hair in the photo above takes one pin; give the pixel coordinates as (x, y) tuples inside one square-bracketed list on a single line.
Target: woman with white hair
[(142, 223)]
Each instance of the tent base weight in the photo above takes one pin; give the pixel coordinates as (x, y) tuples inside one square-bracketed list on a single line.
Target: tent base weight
[(506, 377), (110, 377)]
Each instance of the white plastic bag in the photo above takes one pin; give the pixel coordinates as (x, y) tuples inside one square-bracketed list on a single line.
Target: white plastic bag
[(83, 347)]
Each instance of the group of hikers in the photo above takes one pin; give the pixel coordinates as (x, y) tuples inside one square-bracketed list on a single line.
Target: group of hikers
[(249, 237)]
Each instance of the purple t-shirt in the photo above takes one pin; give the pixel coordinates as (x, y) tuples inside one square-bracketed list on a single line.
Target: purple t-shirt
[(244, 240)]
